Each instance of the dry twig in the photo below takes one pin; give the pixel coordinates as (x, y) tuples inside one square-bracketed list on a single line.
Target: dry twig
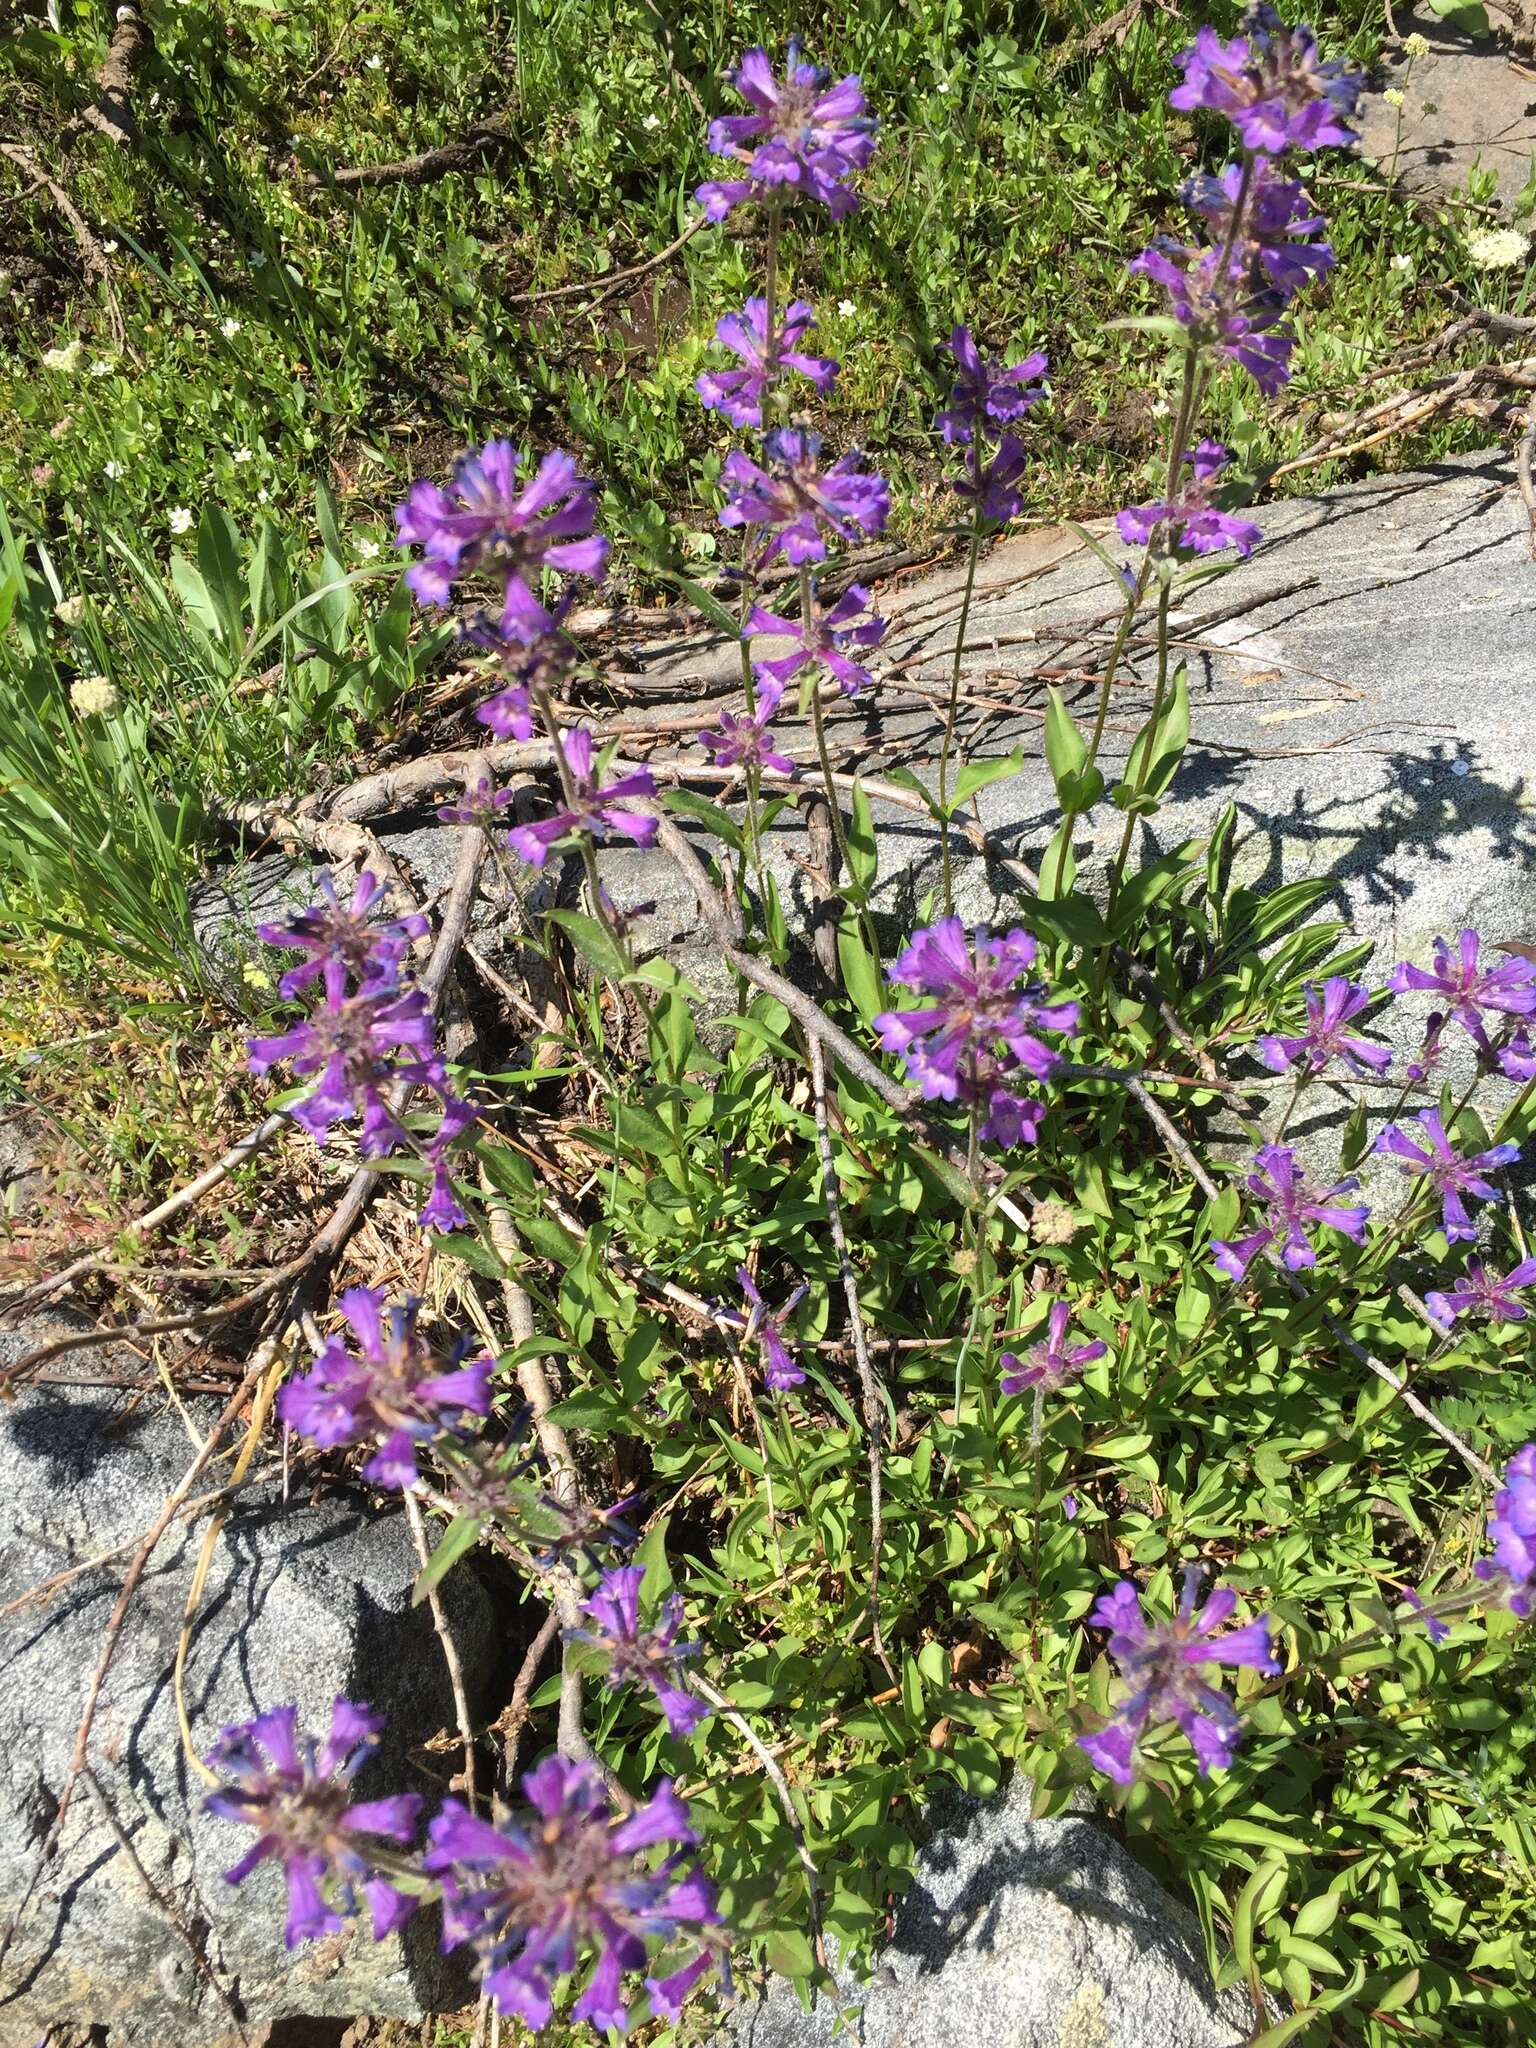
[(112, 114)]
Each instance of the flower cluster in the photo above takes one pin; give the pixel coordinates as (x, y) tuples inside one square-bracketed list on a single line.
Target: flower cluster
[(822, 643), (593, 808), (1452, 1175), (636, 1655), (1279, 1183), (801, 137), (764, 1327), (738, 394), (1513, 1529), (1480, 998), (1329, 1009), (987, 398), (982, 1034), (1191, 520), (797, 502), (1049, 1366)]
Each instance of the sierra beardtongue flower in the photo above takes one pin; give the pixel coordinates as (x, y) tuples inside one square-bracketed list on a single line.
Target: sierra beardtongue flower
[(1276, 239), (1279, 1182), (333, 934), (485, 523), (1483, 1292), (356, 1046), (1049, 1365), (1450, 1173), (297, 1794), (747, 742), (1271, 85), (534, 1899), (738, 394), (984, 1027), (640, 1656), (1191, 520), (796, 502), (765, 1328), (823, 641), (988, 394), (802, 136), (598, 811), (1512, 1526), (398, 1395), (1329, 1010), (1474, 993), (1161, 1664), (481, 805)]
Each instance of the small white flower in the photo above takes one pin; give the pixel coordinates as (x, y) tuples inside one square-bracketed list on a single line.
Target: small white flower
[(93, 696), (112, 470), (847, 308), (101, 367), (263, 496), (1416, 46), (651, 121), (180, 520), (1160, 408), (258, 258), (69, 611), (367, 549), (229, 328), (109, 248), (943, 85), (241, 456), (1497, 248), (375, 62), (1393, 97), (66, 358), (1404, 263)]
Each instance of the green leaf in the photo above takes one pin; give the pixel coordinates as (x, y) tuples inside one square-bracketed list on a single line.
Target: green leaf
[(218, 558), (1058, 871), (593, 941), (1066, 752), (594, 1408), (789, 1953), (863, 849), (459, 1538), (1156, 752), (688, 804), (976, 775), (1255, 1902), (861, 974)]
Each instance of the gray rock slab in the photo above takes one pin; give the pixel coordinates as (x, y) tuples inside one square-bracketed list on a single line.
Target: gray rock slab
[(1467, 103), (304, 1601), (1020, 1934)]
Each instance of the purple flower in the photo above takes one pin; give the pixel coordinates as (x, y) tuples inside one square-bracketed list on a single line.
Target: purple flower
[(988, 394), (1484, 1293), (1430, 1056), (488, 524), (1048, 1365), (739, 393), (1271, 84), (534, 1899), (1279, 240), (798, 503), (1199, 526), (765, 1327), (1325, 1040), (598, 811), (353, 1044), (1448, 1173), (296, 1792), (1222, 308), (640, 1656), (334, 934), (801, 136), (1513, 1529), (1160, 1662), (1472, 991), (482, 805), (989, 481), (1280, 1184), (1517, 1059), (824, 641), (747, 742), (985, 1025), (526, 673), (443, 1210), (1434, 1628), (398, 1394)]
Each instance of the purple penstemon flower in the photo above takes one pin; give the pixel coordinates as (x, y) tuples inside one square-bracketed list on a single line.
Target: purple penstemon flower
[(639, 1656), (1516, 1060), (297, 1793), (1191, 520), (398, 1395), (1450, 1173), (747, 742), (989, 480), (738, 394), (443, 1209), (1271, 85), (1472, 991), (484, 522), (764, 1327), (824, 640), (1223, 307), (988, 394), (357, 1045), (1329, 1009), (1161, 1664), (331, 932), (595, 810), (796, 502), (481, 805), (526, 673), (1483, 1293), (1279, 239), (1049, 1365), (984, 1027), (802, 135), (1279, 1183), (1512, 1527), (533, 1899)]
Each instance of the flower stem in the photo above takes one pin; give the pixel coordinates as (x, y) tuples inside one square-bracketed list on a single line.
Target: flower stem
[(950, 712)]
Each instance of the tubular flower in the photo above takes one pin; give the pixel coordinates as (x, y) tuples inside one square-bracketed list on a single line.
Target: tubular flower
[(397, 1395), (1049, 1365), (983, 1029), (796, 502), (988, 395), (990, 481), (297, 1794), (354, 1045), (1512, 1526), (1517, 1059), (739, 393), (801, 136), (1280, 1184), (598, 811), (1160, 1663), (1278, 241), (765, 1328), (333, 934), (1473, 993), (824, 641), (1271, 85), (1485, 1294), (481, 805), (747, 742), (1325, 1039), (1449, 1173), (533, 1898), (1191, 520), (1222, 309), (526, 672), (641, 1656), (486, 523)]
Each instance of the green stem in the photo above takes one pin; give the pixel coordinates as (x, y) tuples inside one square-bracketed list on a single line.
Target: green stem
[(950, 712)]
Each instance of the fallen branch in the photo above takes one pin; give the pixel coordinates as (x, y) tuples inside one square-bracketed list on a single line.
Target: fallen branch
[(605, 287), (112, 114), (450, 1649), (462, 155), (92, 255)]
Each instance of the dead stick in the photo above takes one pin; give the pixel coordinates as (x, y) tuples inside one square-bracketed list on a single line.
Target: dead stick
[(606, 286), (449, 1647)]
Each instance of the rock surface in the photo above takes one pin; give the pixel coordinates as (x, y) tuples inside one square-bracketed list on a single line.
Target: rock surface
[(304, 1601), (1020, 1934), (1465, 104)]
